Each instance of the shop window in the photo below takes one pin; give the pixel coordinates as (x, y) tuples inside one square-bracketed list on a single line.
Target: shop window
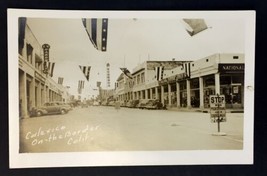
[(194, 83), (209, 81), (237, 79), (182, 85), (225, 80)]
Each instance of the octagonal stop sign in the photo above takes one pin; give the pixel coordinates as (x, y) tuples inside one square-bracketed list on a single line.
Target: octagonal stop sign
[(217, 101)]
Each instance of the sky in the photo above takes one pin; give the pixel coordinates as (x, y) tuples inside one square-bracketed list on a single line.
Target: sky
[(130, 42)]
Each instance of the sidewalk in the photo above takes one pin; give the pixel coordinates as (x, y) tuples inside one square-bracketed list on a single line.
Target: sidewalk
[(204, 110)]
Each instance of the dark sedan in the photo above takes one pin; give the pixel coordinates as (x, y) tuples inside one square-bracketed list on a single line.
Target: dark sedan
[(50, 108), (154, 104)]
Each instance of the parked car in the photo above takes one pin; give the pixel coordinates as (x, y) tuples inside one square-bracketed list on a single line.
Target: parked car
[(96, 103), (84, 105), (128, 104), (154, 104), (67, 105), (142, 104), (111, 103), (134, 103), (123, 103), (50, 108)]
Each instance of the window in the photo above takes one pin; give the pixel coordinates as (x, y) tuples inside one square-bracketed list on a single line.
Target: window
[(235, 57)]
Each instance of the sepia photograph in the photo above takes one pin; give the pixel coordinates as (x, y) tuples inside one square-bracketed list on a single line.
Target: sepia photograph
[(130, 88)]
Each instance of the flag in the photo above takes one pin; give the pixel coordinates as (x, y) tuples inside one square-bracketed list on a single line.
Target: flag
[(86, 71), (22, 27), (159, 72), (80, 84), (186, 67), (127, 72), (97, 30), (98, 84), (49, 68), (60, 80), (194, 26)]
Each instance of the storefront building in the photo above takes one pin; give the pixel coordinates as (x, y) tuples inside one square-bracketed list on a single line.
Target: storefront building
[(35, 87), (188, 84), (218, 74)]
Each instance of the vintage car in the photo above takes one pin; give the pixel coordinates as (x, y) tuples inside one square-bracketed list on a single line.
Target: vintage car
[(129, 103), (96, 103), (133, 104), (67, 105), (154, 104), (142, 104), (84, 105), (111, 103), (50, 108)]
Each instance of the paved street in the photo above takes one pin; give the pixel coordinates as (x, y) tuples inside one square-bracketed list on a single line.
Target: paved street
[(99, 128)]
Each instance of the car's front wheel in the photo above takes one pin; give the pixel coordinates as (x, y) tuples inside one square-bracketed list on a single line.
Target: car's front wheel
[(63, 111), (39, 113)]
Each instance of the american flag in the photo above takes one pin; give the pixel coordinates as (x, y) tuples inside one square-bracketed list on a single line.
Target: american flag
[(159, 72), (86, 71), (60, 80), (80, 86), (98, 84), (97, 30), (194, 26), (127, 72), (186, 67)]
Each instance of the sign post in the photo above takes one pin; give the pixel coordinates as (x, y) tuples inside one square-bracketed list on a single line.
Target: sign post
[(217, 111)]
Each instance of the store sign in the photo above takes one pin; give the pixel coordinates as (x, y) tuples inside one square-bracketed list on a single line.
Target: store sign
[(231, 68), (46, 48)]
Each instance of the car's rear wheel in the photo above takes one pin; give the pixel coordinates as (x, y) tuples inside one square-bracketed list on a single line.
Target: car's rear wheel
[(63, 111), (39, 113)]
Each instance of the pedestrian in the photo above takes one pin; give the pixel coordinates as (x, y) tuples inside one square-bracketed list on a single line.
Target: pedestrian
[(117, 105)]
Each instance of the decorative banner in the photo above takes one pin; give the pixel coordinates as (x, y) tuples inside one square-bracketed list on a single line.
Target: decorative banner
[(97, 30), (98, 84), (86, 71), (60, 80), (194, 26), (22, 27), (187, 69), (108, 75), (159, 72), (127, 73), (80, 86)]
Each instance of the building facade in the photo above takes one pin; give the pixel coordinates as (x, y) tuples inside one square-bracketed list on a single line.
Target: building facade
[(35, 87), (188, 84)]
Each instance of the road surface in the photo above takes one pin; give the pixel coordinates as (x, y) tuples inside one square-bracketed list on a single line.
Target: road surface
[(101, 128)]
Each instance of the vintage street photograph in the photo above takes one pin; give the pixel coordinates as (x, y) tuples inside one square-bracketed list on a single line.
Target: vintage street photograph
[(132, 83)]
